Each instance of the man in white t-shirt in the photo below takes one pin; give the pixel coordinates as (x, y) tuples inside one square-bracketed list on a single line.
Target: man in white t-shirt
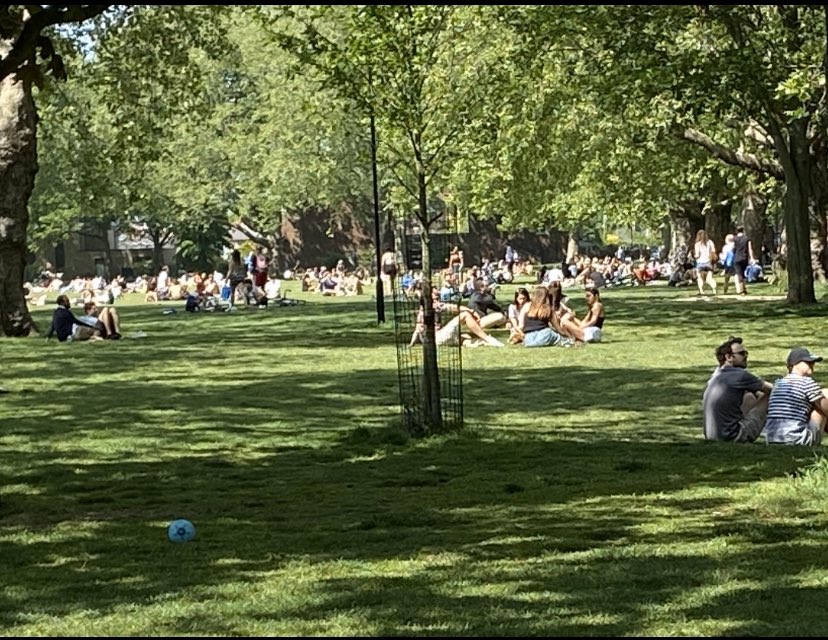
[(555, 274), (163, 284), (273, 289)]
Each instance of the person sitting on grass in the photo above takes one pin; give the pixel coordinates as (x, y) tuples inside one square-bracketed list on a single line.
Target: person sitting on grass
[(273, 288), (482, 302), (253, 295), (450, 334), (590, 328), (152, 290), (735, 401), (107, 324), (539, 320), (798, 407), (754, 272), (516, 313), (63, 321), (329, 284)]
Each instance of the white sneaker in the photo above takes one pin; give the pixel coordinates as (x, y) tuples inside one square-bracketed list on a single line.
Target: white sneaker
[(494, 342)]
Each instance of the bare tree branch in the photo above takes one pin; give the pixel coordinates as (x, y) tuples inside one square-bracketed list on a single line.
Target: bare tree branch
[(251, 233), (725, 154)]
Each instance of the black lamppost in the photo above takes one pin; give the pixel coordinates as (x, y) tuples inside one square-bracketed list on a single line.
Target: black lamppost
[(380, 296), (377, 240)]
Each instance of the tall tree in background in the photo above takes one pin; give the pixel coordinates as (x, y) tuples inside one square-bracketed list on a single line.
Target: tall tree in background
[(755, 75), (27, 54), (211, 131), (423, 71)]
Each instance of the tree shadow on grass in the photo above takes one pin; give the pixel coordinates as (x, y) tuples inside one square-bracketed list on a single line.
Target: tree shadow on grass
[(568, 521), (551, 522)]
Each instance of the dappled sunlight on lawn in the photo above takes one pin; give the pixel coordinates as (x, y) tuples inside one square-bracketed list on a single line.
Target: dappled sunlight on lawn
[(580, 499)]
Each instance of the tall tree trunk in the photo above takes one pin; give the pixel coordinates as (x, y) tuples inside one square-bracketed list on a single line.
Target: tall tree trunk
[(818, 206), (718, 221), (684, 223), (816, 224), (797, 163), (18, 167), (754, 219), (109, 258), (666, 230), (157, 251)]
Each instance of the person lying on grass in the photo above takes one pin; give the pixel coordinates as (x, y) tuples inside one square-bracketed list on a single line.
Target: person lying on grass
[(107, 324), (735, 401), (450, 334)]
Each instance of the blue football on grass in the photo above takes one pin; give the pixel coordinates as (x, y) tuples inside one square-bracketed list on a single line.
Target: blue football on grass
[(181, 531)]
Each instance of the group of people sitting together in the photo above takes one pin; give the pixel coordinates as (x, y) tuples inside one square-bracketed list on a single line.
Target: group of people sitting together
[(338, 281), (458, 280), (738, 406), (246, 281), (610, 271), (501, 271), (80, 289), (96, 323), (540, 319)]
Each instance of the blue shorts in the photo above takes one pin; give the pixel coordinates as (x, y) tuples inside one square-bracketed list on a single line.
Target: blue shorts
[(542, 338)]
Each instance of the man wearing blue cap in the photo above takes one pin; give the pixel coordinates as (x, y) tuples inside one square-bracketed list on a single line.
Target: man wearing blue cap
[(798, 406)]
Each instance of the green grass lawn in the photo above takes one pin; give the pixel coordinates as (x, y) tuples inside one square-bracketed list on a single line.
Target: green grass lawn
[(580, 499)]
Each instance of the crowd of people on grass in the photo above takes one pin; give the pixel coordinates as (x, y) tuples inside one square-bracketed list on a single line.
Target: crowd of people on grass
[(737, 405)]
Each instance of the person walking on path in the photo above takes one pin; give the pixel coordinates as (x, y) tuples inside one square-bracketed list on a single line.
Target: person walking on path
[(742, 257), (704, 251)]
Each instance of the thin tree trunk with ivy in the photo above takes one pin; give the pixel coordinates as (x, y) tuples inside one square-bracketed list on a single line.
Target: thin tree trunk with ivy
[(818, 205)]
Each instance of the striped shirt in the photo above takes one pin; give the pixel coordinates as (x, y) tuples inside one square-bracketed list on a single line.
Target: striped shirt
[(789, 409)]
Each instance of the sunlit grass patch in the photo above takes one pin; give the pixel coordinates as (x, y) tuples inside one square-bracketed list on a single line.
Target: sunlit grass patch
[(580, 499)]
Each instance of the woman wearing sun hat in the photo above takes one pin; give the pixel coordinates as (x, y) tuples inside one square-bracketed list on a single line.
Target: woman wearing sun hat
[(798, 406)]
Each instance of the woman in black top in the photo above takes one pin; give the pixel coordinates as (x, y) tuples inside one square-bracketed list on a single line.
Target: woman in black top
[(590, 329)]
